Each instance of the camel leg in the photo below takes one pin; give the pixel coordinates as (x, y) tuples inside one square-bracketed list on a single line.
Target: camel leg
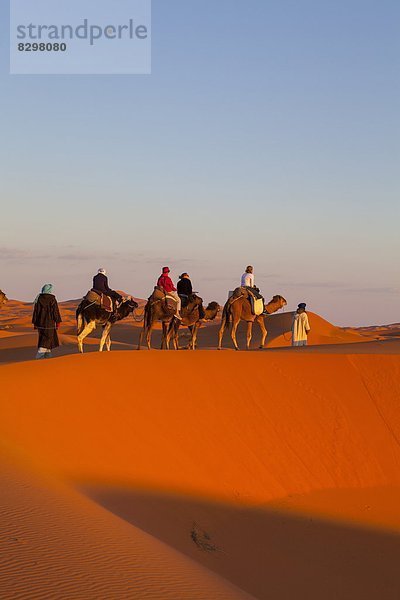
[(172, 332), (264, 331), (195, 330), (221, 332), (165, 336), (106, 333), (176, 334), (86, 331), (191, 341), (108, 342), (143, 333), (148, 335), (233, 333), (80, 326), (249, 334)]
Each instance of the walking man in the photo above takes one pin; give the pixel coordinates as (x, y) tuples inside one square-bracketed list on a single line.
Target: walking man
[(300, 326), (46, 319)]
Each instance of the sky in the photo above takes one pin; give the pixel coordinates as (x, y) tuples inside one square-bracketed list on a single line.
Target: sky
[(267, 134)]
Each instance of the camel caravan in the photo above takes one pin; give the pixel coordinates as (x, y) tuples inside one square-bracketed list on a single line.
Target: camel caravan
[(174, 307)]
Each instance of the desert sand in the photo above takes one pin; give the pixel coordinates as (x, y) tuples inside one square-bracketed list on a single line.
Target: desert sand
[(270, 474)]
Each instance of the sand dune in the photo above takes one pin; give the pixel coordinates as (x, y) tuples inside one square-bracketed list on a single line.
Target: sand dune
[(200, 475), (54, 543), (322, 332), (272, 471)]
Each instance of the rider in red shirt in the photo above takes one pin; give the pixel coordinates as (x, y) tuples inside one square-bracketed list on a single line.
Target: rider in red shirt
[(165, 283)]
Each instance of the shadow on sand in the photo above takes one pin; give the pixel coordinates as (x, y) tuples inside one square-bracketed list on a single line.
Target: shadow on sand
[(268, 553)]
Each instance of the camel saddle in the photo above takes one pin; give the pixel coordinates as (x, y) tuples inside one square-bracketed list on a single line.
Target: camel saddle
[(159, 295), (254, 297), (105, 302)]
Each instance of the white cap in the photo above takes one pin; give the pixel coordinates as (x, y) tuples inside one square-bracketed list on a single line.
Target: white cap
[(102, 271)]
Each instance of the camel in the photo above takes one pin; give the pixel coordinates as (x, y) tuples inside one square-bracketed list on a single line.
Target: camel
[(238, 308), (191, 319), (159, 307), (89, 314), (3, 298)]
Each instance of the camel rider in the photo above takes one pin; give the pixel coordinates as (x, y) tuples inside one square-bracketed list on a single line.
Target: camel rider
[(166, 284), (185, 290), (248, 278), (247, 281), (100, 285)]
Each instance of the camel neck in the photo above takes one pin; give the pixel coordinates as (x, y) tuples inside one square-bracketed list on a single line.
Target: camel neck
[(272, 307)]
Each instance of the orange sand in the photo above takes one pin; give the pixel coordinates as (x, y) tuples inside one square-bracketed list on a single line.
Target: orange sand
[(200, 475), (272, 460)]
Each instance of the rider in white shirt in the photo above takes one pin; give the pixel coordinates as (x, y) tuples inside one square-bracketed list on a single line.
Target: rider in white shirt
[(248, 277)]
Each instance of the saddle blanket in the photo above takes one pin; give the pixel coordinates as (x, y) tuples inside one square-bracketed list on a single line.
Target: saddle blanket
[(100, 299), (255, 299), (170, 301)]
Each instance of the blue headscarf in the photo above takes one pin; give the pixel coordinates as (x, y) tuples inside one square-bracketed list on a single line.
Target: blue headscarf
[(46, 289)]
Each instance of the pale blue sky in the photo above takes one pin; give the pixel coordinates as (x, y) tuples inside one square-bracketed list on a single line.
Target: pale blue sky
[(268, 133)]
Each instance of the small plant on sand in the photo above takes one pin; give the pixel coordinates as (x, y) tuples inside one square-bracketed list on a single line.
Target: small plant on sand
[(203, 540)]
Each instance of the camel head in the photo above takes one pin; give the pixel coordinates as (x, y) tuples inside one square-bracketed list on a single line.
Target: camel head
[(3, 298), (275, 304), (129, 304), (212, 310)]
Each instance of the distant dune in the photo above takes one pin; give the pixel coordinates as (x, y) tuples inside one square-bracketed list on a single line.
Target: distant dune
[(322, 332)]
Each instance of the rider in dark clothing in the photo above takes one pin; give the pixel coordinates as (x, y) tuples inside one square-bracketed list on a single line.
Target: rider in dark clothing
[(185, 290), (184, 285), (100, 285)]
